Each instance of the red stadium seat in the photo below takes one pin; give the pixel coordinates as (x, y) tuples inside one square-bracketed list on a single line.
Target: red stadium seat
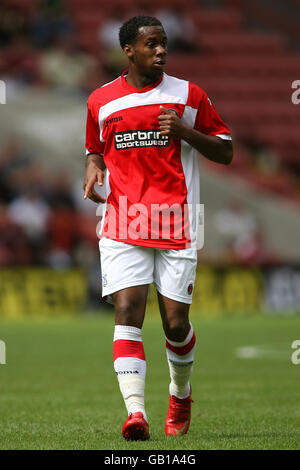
[(217, 20), (282, 65), (89, 42), (240, 42), (87, 22), (247, 88)]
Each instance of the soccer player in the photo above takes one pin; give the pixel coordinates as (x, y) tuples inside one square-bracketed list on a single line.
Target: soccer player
[(144, 132)]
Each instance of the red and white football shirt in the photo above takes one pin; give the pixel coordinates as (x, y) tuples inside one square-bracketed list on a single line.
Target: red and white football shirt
[(152, 181)]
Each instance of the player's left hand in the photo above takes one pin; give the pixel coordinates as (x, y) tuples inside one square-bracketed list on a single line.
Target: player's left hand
[(170, 124)]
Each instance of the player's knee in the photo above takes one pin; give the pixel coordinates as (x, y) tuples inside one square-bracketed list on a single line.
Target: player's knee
[(128, 313), (176, 329)]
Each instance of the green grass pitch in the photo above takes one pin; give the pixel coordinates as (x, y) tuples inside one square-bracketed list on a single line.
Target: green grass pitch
[(58, 389)]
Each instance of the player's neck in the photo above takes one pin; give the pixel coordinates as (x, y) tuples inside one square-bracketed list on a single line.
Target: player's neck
[(140, 81)]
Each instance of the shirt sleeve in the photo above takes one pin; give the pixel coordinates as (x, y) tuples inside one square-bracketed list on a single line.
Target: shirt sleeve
[(92, 142), (208, 120)]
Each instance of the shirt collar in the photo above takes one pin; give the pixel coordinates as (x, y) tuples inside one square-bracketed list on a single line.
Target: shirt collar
[(139, 90)]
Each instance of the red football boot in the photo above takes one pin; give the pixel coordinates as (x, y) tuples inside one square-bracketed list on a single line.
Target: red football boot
[(136, 428), (179, 416)]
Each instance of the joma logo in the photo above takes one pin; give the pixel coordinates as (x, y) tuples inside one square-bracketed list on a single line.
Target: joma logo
[(114, 119), (126, 372)]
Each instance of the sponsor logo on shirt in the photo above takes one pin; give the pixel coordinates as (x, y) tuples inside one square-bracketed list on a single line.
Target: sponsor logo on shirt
[(140, 138)]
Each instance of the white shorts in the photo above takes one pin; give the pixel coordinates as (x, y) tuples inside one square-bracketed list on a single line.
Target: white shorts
[(123, 265)]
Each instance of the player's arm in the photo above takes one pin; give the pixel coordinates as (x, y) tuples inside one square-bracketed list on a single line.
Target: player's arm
[(94, 164), (212, 147), (94, 173)]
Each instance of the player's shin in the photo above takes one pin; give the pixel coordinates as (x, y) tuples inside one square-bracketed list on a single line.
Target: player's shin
[(180, 357), (130, 367)]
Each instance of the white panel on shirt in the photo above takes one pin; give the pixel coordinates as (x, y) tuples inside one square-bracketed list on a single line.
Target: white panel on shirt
[(189, 160), (170, 90), (105, 192)]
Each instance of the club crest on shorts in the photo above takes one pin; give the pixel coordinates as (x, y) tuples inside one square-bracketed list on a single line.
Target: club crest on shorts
[(190, 289)]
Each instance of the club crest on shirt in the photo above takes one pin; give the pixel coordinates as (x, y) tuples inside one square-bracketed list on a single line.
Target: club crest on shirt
[(173, 111)]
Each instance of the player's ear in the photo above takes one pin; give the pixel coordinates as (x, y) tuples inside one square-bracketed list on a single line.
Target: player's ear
[(128, 49)]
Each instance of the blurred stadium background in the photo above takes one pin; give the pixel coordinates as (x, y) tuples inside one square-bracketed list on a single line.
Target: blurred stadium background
[(244, 53)]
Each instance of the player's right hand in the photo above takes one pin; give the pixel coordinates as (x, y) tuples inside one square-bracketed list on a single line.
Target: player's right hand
[(93, 174)]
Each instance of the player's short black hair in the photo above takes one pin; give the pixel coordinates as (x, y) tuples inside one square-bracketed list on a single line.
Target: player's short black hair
[(130, 29)]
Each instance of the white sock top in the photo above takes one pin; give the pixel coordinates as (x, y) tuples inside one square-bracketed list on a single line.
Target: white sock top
[(127, 333)]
